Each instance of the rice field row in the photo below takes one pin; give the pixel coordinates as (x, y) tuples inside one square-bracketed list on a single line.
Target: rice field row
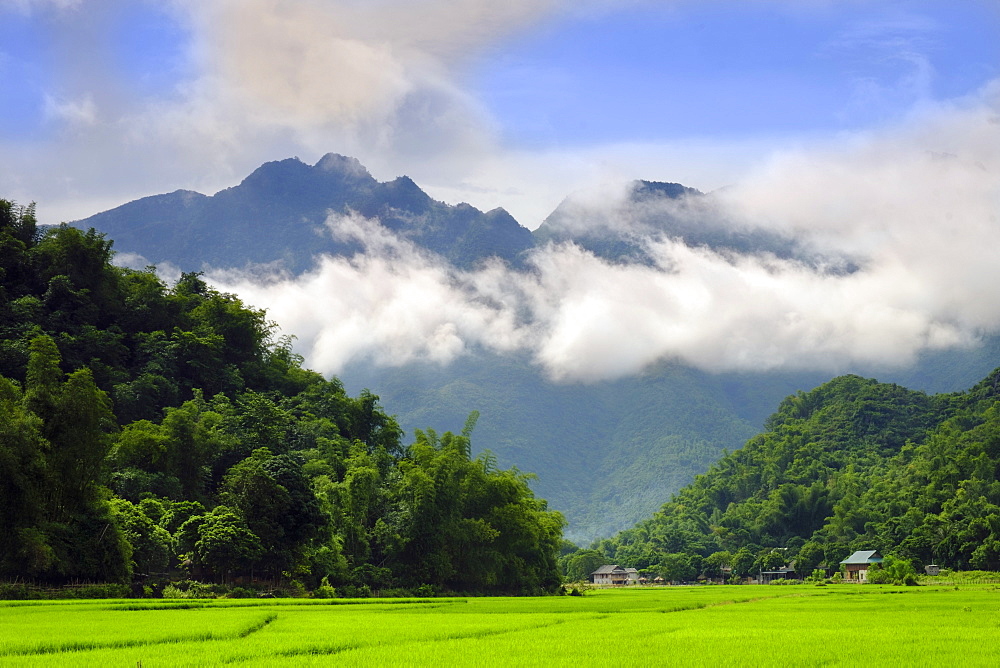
[(680, 626)]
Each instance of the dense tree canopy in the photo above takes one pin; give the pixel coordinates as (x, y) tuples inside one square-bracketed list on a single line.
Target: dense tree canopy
[(151, 429), (854, 464)]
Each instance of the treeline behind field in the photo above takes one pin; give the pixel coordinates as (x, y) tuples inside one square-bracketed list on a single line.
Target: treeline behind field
[(851, 465), (143, 427)]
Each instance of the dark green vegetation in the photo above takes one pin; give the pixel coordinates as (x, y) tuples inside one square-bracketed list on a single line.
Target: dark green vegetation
[(851, 465), (142, 426)]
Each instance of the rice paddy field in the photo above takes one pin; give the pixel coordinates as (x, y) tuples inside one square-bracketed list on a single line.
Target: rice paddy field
[(677, 626)]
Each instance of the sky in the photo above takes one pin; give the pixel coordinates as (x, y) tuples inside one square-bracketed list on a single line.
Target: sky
[(866, 128)]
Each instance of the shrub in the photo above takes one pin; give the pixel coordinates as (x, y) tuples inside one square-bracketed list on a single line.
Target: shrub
[(324, 591), (241, 592), (18, 591), (189, 589), (426, 590), (818, 575), (893, 570)]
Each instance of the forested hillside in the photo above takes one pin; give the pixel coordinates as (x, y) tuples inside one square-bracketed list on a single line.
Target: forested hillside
[(146, 429), (854, 464)]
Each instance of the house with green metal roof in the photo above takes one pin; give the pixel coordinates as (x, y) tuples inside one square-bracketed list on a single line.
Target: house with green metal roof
[(856, 566)]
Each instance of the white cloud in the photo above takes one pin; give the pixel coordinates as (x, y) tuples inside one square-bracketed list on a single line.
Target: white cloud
[(80, 111), (918, 209)]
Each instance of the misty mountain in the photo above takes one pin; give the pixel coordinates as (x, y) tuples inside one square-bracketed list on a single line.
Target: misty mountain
[(620, 227), (607, 453), (277, 214)]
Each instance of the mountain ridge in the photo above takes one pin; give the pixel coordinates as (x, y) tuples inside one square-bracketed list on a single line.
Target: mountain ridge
[(287, 202)]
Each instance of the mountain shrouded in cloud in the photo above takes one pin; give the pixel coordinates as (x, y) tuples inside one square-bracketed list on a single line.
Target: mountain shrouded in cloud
[(915, 226), (866, 254)]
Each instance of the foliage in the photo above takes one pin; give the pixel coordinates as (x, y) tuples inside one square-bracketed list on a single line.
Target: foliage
[(852, 465), (893, 570), (146, 428)]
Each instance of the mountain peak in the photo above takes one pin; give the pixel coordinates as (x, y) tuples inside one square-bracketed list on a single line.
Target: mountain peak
[(644, 190), (342, 164)]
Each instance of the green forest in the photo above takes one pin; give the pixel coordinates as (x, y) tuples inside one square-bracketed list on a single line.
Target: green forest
[(151, 431), (851, 465)]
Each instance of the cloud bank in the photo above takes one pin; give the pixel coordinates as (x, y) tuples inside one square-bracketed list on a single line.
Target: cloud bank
[(917, 209)]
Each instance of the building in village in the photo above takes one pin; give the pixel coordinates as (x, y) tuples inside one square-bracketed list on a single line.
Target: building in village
[(783, 573), (856, 566), (613, 574)]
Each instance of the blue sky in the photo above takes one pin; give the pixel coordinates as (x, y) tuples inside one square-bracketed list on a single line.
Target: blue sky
[(734, 69), (104, 101)]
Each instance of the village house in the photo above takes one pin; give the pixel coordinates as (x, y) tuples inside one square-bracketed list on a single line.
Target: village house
[(856, 566), (783, 573), (613, 574)]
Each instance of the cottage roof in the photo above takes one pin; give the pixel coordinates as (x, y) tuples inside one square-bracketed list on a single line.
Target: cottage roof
[(864, 557), (608, 568), (631, 570)]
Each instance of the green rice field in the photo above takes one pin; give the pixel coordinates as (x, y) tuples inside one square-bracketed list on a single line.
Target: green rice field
[(672, 626)]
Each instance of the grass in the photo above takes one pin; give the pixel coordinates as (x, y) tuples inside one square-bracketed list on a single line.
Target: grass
[(680, 626)]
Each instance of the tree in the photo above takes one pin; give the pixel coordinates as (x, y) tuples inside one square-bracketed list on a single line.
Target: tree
[(810, 556), (769, 560), (677, 567), (467, 525), (743, 562), (61, 432), (275, 502), (577, 566), (221, 542), (892, 570), (150, 543), (715, 562)]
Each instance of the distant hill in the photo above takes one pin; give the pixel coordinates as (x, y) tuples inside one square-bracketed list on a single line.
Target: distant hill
[(851, 465), (607, 454), (277, 215)]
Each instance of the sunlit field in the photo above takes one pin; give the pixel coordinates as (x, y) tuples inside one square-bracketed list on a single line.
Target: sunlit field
[(686, 626)]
